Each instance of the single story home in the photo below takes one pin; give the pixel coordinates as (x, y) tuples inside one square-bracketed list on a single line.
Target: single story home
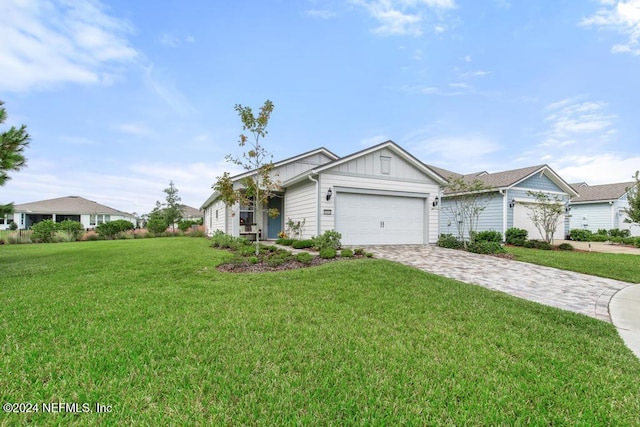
[(191, 214), (601, 207), (507, 200), (379, 195), (75, 208)]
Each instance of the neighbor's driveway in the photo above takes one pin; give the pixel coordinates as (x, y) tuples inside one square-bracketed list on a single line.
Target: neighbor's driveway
[(567, 290)]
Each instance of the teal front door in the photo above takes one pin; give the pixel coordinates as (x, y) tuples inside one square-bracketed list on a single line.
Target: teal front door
[(274, 225)]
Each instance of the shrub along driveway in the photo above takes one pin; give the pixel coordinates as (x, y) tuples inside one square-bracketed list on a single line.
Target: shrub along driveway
[(567, 290)]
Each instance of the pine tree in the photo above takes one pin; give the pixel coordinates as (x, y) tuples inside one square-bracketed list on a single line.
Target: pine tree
[(12, 145)]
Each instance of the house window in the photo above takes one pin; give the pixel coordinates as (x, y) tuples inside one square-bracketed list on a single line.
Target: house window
[(92, 220), (246, 215), (216, 213), (385, 165)]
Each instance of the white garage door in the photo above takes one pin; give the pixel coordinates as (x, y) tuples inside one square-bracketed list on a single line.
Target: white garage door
[(521, 219), (366, 219)]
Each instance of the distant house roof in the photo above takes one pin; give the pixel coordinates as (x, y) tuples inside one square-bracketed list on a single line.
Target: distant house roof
[(600, 193), (191, 212), (71, 205), (509, 178)]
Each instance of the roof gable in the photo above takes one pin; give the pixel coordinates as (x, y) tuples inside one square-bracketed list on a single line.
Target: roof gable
[(388, 145)]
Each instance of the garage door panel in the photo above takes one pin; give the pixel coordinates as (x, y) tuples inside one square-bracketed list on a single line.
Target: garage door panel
[(521, 219), (376, 219)]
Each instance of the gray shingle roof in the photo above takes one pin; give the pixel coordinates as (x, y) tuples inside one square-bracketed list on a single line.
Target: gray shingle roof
[(67, 205), (191, 212), (604, 192)]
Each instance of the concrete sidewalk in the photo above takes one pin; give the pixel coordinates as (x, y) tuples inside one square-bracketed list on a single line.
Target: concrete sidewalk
[(624, 309)]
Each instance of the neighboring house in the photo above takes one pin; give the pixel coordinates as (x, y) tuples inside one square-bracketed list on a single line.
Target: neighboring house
[(380, 195), (191, 214), (75, 208), (508, 199), (601, 207)]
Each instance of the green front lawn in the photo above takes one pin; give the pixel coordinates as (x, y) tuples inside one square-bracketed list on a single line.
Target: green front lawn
[(152, 329), (625, 267)]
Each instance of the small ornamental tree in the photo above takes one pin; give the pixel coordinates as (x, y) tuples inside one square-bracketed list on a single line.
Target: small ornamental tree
[(12, 145), (258, 187), (466, 202), (633, 197), (173, 210), (545, 213)]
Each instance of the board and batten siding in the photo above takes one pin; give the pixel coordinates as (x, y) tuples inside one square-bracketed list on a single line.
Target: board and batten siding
[(293, 169), (521, 194), (300, 205)]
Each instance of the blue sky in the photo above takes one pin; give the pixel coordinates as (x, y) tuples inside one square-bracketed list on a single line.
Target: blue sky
[(121, 97)]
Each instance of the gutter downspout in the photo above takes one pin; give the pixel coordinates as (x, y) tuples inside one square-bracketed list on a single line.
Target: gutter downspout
[(311, 178)]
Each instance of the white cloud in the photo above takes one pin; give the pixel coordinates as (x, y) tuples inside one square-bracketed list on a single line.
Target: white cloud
[(571, 121), (622, 16), (137, 129), (171, 40), (598, 169), (460, 153), (133, 189), (51, 42), (404, 17)]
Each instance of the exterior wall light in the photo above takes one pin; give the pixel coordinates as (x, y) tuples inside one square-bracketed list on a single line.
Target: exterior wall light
[(435, 201), (513, 203), (329, 194)]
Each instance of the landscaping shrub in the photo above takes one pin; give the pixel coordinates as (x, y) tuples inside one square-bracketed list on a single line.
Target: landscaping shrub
[(328, 253), (580, 235), (196, 233), (304, 257), (303, 244), (109, 230), (516, 236), (74, 229), (44, 231), (284, 241), (221, 240), (485, 247), (603, 232), (347, 253), (629, 240), (186, 224), (358, 251), (157, 225), (13, 226), (488, 236), (602, 238), (449, 241), (368, 254), (538, 244), (565, 247), (93, 237), (329, 239), (637, 243), (621, 233), (254, 260)]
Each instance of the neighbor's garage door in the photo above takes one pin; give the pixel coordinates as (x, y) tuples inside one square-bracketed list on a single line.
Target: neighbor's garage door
[(521, 219), (366, 219)]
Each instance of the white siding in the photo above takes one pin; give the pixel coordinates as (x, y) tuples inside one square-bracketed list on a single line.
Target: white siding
[(300, 205), (215, 218)]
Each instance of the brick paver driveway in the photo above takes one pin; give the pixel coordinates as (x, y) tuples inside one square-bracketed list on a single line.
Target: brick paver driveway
[(567, 290)]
